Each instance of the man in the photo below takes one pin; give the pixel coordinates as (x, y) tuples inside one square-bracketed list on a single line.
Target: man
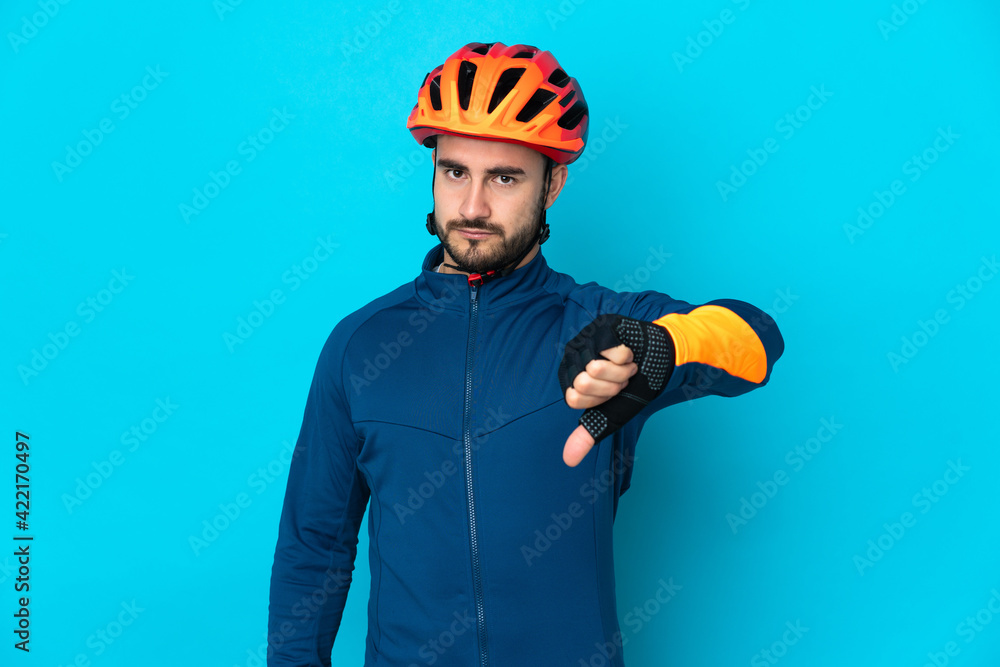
[(453, 404)]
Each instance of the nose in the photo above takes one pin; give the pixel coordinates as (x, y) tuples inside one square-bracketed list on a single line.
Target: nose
[(475, 204)]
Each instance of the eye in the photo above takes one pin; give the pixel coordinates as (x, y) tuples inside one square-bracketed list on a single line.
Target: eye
[(505, 179), (455, 173)]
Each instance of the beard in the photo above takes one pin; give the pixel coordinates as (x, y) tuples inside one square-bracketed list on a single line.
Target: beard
[(495, 252)]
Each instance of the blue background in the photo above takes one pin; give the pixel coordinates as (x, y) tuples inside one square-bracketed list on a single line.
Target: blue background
[(343, 169)]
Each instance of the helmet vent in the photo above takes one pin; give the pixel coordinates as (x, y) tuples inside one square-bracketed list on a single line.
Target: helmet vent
[(538, 101), (435, 90), (505, 84), (524, 54), (466, 77), (569, 98), (572, 118), (558, 78), (483, 49)]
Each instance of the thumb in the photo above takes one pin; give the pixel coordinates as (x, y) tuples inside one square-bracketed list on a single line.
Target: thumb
[(577, 446)]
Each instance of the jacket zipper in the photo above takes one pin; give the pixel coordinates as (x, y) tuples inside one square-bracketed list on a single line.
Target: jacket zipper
[(476, 573)]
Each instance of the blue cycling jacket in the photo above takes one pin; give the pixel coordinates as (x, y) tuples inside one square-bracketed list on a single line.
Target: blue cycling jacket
[(439, 404)]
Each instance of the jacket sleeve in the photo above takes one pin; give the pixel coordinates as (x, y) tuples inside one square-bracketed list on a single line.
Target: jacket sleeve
[(324, 504), (724, 347)]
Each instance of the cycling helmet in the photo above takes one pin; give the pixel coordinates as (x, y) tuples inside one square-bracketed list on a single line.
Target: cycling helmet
[(517, 94)]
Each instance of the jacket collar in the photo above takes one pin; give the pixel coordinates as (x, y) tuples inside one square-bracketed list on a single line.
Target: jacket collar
[(451, 291)]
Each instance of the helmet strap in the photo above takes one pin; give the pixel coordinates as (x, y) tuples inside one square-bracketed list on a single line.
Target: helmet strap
[(430, 216)]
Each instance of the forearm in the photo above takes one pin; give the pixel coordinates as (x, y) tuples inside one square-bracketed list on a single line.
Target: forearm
[(307, 599), (725, 347), (325, 500)]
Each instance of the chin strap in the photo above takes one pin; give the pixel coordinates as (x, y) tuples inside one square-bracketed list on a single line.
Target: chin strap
[(477, 279)]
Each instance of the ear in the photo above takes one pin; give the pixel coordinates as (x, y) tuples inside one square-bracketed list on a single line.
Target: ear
[(559, 174)]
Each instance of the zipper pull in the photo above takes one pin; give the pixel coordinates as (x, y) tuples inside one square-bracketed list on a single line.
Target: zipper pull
[(473, 292)]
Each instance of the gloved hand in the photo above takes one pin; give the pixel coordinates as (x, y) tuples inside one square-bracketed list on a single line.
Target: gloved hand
[(652, 351)]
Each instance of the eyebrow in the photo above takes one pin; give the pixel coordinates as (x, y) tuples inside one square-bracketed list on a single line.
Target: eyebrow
[(498, 170)]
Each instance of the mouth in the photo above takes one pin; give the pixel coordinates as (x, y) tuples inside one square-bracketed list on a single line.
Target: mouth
[(474, 233)]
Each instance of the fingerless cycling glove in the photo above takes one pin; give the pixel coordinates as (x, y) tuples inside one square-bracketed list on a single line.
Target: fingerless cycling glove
[(652, 351)]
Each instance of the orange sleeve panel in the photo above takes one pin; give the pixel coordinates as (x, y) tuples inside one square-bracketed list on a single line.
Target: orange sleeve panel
[(718, 337)]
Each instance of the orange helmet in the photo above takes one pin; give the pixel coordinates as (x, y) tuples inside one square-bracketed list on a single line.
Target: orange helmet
[(517, 94)]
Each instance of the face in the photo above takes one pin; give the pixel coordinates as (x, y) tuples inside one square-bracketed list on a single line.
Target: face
[(487, 200)]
